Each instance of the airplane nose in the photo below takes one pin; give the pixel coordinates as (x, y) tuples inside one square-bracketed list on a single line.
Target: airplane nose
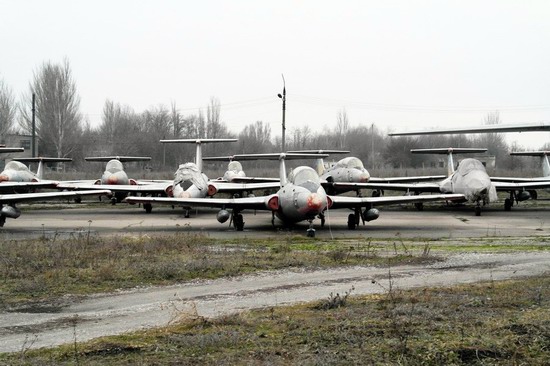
[(364, 177), (112, 180), (4, 178), (314, 202)]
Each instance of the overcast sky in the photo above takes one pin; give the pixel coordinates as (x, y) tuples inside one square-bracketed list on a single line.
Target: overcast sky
[(399, 64)]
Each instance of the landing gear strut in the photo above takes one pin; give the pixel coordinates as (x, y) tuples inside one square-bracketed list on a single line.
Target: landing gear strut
[(311, 230), (238, 222)]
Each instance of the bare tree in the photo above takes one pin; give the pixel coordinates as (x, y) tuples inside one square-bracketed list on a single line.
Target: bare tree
[(213, 124), (8, 109), (255, 138), (59, 122), (342, 127), (494, 142)]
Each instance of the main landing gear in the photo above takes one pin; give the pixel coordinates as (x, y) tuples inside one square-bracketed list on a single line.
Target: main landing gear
[(238, 221)]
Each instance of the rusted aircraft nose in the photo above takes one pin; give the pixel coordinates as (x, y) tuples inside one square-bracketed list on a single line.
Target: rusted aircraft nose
[(314, 201), (112, 180), (4, 178), (364, 177)]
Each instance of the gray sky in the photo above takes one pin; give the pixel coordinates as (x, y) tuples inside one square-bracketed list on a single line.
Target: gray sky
[(398, 64)]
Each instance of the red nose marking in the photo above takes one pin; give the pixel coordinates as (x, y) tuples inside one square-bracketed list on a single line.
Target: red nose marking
[(112, 180), (4, 178), (314, 201)]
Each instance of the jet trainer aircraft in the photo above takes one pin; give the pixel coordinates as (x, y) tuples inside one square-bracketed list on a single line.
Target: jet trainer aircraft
[(470, 179), (300, 197), (17, 177), (114, 178)]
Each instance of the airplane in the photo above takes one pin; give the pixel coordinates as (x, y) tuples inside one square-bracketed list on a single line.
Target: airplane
[(300, 197), (8, 208), (17, 177), (545, 167), (114, 175), (352, 170), (235, 172), (470, 179)]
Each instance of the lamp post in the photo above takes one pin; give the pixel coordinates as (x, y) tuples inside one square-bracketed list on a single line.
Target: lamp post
[(283, 97)]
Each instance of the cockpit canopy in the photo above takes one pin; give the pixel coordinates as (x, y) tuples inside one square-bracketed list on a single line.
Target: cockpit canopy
[(302, 175), (351, 163), (235, 166), (468, 165), (16, 165), (114, 166)]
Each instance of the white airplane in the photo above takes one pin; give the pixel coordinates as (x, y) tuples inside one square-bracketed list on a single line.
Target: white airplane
[(114, 178), (470, 179), (8, 208), (335, 177), (300, 197), (18, 178), (545, 167), (235, 172)]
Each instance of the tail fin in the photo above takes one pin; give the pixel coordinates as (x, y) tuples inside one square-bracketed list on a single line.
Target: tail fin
[(198, 143), (449, 151), (545, 164), (40, 161), (320, 163)]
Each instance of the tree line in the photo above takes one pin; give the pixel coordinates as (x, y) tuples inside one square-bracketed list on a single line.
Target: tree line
[(62, 131)]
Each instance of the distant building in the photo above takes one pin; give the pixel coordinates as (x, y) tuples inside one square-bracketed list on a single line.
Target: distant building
[(15, 140)]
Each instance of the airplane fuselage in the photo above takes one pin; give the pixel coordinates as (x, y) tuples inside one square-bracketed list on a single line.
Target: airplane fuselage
[(301, 202)]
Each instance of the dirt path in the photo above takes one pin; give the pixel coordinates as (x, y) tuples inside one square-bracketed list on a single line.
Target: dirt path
[(116, 313)]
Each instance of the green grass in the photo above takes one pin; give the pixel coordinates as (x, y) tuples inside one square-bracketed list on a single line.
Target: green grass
[(493, 323), (40, 272)]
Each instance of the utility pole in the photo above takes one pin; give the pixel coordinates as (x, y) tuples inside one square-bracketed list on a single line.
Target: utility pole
[(33, 126), (283, 97)]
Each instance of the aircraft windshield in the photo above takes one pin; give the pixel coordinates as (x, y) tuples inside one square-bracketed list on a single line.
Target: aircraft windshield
[(16, 165), (114, 166), (235, 166), (468, 165), (352, 163), (302, 175)]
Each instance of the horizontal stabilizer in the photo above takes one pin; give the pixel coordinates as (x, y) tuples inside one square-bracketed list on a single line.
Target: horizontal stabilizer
[(321, 151), (43, 159), (219, 158), (449, 150), (530, 153), (516, 127), (11, 149), (278, 156), (196, 141), (119, 158)]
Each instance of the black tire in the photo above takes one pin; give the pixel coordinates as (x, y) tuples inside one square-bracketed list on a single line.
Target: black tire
[(78, 200), (148, 207), (238, 221), (478, 211), (351, 221), (419, 206), (507, 204)]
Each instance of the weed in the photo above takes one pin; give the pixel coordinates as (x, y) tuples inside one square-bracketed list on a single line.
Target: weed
[(334, 301)]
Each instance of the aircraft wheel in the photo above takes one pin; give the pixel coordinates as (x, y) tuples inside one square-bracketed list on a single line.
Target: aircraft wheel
[(376, 193), (78, 200), (507, 204), (186, 214), (238, 221), (113, 201), (478, 211), (148, 207), (2, 220), (419, 206), (310, 233), (533, 194), (351, 221)]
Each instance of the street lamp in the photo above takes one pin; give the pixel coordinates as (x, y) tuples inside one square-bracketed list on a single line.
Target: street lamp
[(283, 97)]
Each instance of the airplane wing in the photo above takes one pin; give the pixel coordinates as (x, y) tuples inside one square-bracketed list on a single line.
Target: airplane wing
[(509, 186), (406, 179), (145, 188), (222, 187), (352, 202), (253, 203), (23, 197), (519, 180), (11, 186), (414, 187)]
